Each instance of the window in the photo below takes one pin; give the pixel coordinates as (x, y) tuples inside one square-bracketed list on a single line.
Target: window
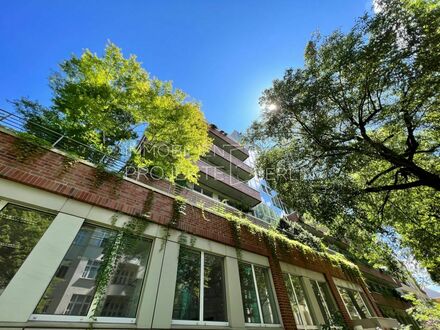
[(200, 290), (62, 270), (277, 203), (91, 269), (124, 276), (298, 302), (78, 305), (325, 300), (72, 290), (355, 304), (256, 291), (20, 230)]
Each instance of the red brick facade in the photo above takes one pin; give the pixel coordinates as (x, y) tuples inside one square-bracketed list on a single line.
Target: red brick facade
[(45, 171)]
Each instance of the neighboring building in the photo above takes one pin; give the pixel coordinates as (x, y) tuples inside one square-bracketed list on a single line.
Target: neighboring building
[(433, 295), (58, 226)]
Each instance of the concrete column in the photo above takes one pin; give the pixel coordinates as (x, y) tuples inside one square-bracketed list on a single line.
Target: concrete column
[(314, 308), (149, 293), (23, 293), (234, 301), (163, 309)]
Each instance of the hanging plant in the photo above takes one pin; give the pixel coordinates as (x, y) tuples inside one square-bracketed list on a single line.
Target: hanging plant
[(69, 161), (146, 210), (122, 243), (179, 209), (28, 146), (277, 242)]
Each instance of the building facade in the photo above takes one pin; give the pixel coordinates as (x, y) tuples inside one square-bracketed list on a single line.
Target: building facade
[(58, 227)]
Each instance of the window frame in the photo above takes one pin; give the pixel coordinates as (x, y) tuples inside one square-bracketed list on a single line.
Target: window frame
[(257, 295), (99, 319), (200, 321), (308, 302), (324, 302), (353, 291), (5, 202)]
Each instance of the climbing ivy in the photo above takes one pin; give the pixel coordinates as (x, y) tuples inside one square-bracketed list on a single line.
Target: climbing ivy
[(122, 243), (279, 244), (28, 146), (69, 161), (179, 209)]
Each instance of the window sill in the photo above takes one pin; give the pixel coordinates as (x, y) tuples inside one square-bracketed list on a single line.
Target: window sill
[(81, 319), (183, 324), (262, 325)]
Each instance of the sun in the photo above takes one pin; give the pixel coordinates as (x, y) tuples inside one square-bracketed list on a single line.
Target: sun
[(272, 107)]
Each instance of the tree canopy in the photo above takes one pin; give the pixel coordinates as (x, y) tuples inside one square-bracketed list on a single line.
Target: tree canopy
[(352, 138), (102, 101)]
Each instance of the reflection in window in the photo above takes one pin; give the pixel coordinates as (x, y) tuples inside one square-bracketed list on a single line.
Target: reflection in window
[(189, 290), (298, 301), (214, 308), (354, 303), (187, 297), (20, 230), (72, 289), (256, 291), (91, 269), (78, 305), (325, 300)]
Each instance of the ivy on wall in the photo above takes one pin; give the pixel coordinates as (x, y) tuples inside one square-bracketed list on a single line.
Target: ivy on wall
[(279, 244), (28, 146), (123, 243)]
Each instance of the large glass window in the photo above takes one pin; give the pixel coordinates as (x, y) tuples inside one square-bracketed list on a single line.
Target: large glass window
[(355, 304), (298, 302), (72, 290), (20, 230), (200, 290), (325, 300), (258, 298)]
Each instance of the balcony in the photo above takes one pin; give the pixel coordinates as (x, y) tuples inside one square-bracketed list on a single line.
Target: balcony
[(223, 159), (218, 180), (12, 124), (226, 143)]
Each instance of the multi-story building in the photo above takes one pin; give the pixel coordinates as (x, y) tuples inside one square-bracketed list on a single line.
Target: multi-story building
[(67, 259)]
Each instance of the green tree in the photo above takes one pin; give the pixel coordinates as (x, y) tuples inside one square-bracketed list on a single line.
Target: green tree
[(427, 313), (352, 138), (102, 102)]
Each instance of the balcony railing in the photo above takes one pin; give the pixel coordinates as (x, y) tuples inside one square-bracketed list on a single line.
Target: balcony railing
[(231, 163), (228, 144), (16, 124), (218, 176)]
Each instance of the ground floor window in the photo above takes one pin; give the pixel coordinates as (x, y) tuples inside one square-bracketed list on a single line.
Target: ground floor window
[(200, 290), (355, 303), (20, 230), (257, 294), (325, 300), (72, 291), (298, 301)]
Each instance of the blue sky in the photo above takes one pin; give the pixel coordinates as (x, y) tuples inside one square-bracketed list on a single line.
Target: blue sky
[(222, 52)]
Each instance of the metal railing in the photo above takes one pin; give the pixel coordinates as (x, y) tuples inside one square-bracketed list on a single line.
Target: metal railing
[(116, 164), (19, 124)]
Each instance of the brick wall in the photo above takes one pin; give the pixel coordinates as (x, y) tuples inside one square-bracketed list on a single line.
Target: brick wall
[(45, 171)]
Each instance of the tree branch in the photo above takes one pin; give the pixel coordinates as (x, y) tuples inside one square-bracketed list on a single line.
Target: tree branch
[(400, 186), (377, 176)]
